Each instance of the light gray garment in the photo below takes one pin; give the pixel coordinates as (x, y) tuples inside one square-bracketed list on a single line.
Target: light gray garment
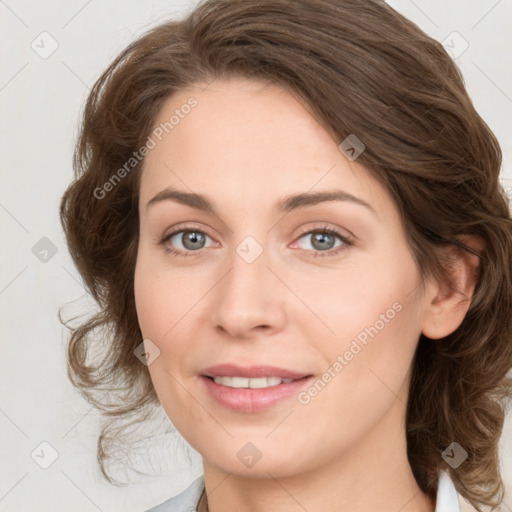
[(186, 501)]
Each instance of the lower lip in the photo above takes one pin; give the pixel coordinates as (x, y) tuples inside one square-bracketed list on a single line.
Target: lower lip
[(253, 400)]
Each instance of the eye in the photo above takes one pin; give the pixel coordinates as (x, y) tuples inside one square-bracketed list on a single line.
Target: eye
[(324, 240), (184, 242)]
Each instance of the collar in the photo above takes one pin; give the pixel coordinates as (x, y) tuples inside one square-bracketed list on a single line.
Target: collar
[(447, 499)]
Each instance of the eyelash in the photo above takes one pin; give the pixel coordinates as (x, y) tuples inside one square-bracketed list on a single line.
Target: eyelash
[(316, 254)]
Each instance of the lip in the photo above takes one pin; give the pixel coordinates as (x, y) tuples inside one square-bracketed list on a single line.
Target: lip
[(249, 400), (232, 370)]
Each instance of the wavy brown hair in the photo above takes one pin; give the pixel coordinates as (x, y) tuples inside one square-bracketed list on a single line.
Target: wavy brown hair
[(362, 69)]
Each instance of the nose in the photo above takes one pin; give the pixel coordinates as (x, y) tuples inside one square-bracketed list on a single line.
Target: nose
[(249, 299)]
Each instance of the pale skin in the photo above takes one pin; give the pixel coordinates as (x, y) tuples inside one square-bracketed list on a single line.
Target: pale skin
[(245, 147)]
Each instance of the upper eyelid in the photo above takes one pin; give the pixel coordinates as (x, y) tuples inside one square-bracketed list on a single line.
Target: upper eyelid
[(338, 231), (188, 227)]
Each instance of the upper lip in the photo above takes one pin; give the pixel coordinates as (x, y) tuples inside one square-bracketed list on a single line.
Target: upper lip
[(233, 370)]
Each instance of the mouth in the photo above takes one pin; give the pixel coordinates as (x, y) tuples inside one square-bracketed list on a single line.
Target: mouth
[(252, 389)]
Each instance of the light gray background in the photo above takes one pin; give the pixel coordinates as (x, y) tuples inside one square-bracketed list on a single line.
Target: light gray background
[(40, 102)]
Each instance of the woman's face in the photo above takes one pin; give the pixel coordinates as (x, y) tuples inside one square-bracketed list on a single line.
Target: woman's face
[(270, 279)]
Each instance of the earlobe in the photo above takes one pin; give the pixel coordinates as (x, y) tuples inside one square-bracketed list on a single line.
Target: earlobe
[(448, 302)]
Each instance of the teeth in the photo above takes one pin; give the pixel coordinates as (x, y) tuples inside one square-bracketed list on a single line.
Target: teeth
[(244, 382)]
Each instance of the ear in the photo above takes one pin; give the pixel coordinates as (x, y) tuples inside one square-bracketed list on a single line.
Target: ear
[(448, 302)]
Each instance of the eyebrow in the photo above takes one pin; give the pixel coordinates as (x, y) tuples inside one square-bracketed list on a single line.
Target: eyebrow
[(288, 204)]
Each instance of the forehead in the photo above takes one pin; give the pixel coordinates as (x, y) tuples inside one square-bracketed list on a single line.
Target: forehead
[(248, 140)]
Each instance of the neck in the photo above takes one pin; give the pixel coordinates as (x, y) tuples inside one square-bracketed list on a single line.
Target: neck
[(373, 475), (341, 494)]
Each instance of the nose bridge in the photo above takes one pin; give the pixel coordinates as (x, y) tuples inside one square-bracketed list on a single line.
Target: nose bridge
[(248, 295)]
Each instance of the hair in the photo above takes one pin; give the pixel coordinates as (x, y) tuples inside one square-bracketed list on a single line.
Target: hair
[(362, 69)]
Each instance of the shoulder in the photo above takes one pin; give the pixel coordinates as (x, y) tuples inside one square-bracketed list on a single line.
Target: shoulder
[(447, 498), (186, 501)]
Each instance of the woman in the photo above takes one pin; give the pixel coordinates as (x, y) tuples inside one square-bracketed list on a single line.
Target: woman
[(290, 212)]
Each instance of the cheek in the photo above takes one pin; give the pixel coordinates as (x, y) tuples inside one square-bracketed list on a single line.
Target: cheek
[(152, 300), (379, 354), (159, 299), (148, 304), (165, 292), (167, 308), (367, 371), (358, 296), (374, 320)]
